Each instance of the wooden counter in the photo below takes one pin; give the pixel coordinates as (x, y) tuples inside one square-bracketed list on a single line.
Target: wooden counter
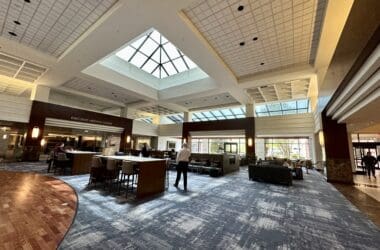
[(151, 178), (81, 161)]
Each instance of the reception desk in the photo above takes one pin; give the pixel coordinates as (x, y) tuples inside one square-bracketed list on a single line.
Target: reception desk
[(151, 177), (81, 161)]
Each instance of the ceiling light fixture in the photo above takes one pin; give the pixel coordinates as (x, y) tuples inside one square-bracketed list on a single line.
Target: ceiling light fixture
[(240, 8), (242, 43), (262, 63), (12, 33), (17, 22), (27, 1), (255, 38)]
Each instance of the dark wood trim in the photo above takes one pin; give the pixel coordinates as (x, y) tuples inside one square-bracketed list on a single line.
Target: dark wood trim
[(41, 110), (246, 124)]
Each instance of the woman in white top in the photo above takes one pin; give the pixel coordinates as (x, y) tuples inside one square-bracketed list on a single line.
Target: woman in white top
[(182, 165)]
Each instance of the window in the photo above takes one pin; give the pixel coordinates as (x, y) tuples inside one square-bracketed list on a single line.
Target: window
[(291, 148), (154, 54), (283, 108), (219, 114)]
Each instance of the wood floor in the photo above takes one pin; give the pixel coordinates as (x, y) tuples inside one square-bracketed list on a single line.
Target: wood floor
[(35, 211)]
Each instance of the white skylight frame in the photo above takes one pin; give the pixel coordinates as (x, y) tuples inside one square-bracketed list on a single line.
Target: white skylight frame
[(154, 54)]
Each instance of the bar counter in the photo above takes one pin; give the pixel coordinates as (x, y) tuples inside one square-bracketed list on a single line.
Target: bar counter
[(81, 161)]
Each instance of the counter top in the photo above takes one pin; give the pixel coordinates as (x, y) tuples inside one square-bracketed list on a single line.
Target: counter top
[(131, 158), (80, 152)]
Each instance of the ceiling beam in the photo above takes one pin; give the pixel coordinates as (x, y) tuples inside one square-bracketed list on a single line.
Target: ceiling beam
[(262, 94), (276, 91)]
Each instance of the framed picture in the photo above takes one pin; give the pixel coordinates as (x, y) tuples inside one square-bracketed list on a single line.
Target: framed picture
[(170, 145)]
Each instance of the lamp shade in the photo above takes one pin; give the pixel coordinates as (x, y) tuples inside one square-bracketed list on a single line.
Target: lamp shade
[(35, 132), (250, 142)]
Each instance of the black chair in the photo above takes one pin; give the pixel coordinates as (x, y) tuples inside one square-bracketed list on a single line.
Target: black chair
[(62, 163)]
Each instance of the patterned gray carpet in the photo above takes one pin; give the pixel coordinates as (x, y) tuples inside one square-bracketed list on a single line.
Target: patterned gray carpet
[(230, 212)]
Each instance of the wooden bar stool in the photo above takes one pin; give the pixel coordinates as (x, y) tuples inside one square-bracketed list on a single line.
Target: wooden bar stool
[(127, 170)]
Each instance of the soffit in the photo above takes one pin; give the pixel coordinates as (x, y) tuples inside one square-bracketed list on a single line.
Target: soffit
[(296, 89), (48, 25), (287, 32), (209, 101), (105, 90), (12, 88)]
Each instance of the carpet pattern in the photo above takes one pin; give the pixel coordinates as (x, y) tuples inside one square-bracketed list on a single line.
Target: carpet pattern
[(219, 213)]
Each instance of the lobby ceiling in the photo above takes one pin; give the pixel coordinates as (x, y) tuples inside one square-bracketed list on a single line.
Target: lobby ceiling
[(48, 25), (257, 36)]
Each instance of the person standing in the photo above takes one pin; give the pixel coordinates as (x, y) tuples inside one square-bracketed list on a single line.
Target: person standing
[(369, 162), (145, 151), (182, 165)]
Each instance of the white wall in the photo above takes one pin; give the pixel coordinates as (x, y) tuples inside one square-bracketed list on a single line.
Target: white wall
[(170, 130), (287, 125), (143, 128), (162, 142), (14, 108)]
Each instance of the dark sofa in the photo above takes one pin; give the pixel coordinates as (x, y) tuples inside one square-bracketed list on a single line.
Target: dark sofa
[(270, 173)]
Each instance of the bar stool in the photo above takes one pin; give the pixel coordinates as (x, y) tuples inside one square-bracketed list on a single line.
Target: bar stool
[(127, 169), (111, 173), (61, 162), (96, 170)]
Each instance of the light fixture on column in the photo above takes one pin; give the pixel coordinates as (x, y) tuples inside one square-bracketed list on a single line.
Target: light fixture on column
[(5, 136), (183, 140), (35, 132), (43, 142), (321, 138), (128, 139), (250, 142)]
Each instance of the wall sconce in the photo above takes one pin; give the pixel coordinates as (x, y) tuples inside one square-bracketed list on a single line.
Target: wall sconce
[(25, 135), (250, 142), (5, 136), (35, 132), (183, 140), (321, 138), (43, 142), (128, 139)]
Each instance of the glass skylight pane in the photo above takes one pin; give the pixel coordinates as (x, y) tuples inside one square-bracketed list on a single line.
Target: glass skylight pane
[(302, 111), (274, 106), (163, 73), (226, 112), (149, 66), (137, 43), (240, 116), (148, 47), (212, 118), (180, 65), (216, 113), (230, 117), (236, 111), (302, 104), (207, 114), (261, 108), (276, 113), (164, 57), (126, 53), (171, 50), (138, 59), (190, 63), (262, 114), (156, 73), (163, 39), (155, 36), (289, 105), (204, 119), (290, 112), (170, 68), (156, 56)]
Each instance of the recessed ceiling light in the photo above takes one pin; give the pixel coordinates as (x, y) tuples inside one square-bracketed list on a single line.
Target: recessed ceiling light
[(17, 22), (27, 1), (242, 43), (12, 33), (240, 8), (255, 38), (262, 63)]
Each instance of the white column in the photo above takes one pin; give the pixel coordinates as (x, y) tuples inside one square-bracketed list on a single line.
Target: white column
[(250, 110), (124, 112), (40, 93), (187, 116), (351, 150)]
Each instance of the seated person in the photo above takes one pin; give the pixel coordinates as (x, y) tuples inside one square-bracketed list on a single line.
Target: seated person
[(286, 163)]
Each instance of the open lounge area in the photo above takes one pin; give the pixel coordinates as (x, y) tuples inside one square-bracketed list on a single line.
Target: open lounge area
[(195, 124)]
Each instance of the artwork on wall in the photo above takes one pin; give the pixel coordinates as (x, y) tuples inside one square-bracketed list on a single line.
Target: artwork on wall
[(170, 145)]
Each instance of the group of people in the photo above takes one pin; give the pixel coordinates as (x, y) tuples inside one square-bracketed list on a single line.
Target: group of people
[(370, 162)]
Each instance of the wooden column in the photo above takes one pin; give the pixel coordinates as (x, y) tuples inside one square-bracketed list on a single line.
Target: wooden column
[(338, 161)]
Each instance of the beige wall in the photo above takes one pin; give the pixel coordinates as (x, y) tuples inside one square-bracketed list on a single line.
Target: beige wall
[(14, 108)]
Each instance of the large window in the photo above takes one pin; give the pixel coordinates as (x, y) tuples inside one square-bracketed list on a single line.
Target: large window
[(283, 108), (220, 114), (291, 148), (216, 145)]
